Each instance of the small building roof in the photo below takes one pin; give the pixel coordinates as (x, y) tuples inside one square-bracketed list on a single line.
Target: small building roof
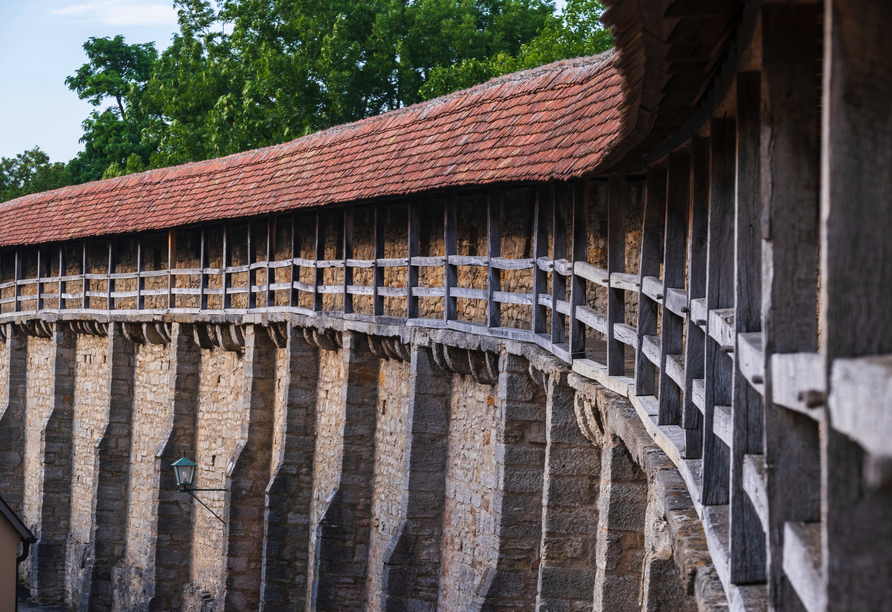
[(16, 522), (554, 122)]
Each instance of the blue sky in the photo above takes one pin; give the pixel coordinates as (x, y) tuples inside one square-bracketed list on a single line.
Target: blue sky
[(41, 43)]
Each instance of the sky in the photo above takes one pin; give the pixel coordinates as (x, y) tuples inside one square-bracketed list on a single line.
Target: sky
[(41, 43)]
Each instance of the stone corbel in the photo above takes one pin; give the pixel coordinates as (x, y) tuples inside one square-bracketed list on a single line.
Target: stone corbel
[(88, 327), (482, 365), (388, 348), (4, 332), (157, 333), (133, 332), (278, 333), (231, 337), (205, 335), (327, 341), (38, 328)]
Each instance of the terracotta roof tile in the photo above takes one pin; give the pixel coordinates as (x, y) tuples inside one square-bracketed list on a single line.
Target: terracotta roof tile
[(555, 122)]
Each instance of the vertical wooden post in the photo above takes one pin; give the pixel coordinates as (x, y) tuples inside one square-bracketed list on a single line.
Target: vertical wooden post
[(675, 237), (41, 264), (62, 269), (579, 253), (251, 259), (227, 265), (204, 263), (112, 266), (18, 277), (695, 337), (377, 298), (319, 254), (171, 267), (651, 256), (270, 295), (562, 194), (414, 235), (85, 270), (856, 223), (293, 293), (747, 537), (719, 294), (348, 254), (493, 249), (544, 194), (450, 247), (790, 177), (140, 266), (617, 197)]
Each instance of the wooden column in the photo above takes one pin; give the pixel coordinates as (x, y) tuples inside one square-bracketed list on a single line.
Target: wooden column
[(856, 301), (450, 247), (293, 292), (695, 337), (85, 282), (41, 273), (562, 196), (347, 297), (18, 277), (227, 264), (377, 298), (544, 198), (617, 197), (718, 367), (651, 256), (493, 249), (674, 271), (140, 266), (270, 294), (747, 537), (414, 234), (790, 179), (112, 265), (250, 260), (62, 284), (171, 267), (319, 255), (203, 263), (579, 250)]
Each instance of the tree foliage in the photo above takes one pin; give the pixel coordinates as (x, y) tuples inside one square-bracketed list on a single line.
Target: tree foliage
[(30, 172)]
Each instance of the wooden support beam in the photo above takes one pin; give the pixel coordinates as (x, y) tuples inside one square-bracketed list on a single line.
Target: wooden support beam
[(62, 283), (856, 223), (18, 277), (747, 538), (790, 179), (171, 266), (414, 234), (85, 282), (347, 246), (675, 232), (718, 368), (450, 247), (493, 249), (112, 266), (695, 337), (562, 199), (617, 201), (227, 264), (294, 293), (377, 297), (204, 263), (270, 294), (41, 273), (579, 252), (250, 260), (319, 255), (651, 256), (140, 268), (544, 199)]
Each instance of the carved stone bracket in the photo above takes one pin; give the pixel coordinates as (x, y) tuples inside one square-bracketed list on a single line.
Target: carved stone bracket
[(482, 365), (38, 328), (278, 333), (227, 336), (327, 341), (388, 348), (89, 328)]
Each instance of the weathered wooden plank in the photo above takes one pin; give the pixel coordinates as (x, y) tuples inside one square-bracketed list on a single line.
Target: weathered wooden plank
[(650, 348), (563, 197), (754, 486), (856, 223), (722, 424), (649, 265), (675, 369), (450, 246), (468, 294), (675, 237), (85, 271), (625, 282), (676, 301), (698, 394), (592, 273), (722, 328), (592, 318), (347, 246), (718, 367), (802, 563), (62, 272), (579, 252), (493, 249), (626, 334), (414, 242), (319, 255), (112, 264), (507, 297), (505, 263), (171, 265), (379, 237), (140, 264), (750, 359), (269, 298), (861, 389), (652, 287), (41, 264), (294, 293), (204, 263), (544, 196)]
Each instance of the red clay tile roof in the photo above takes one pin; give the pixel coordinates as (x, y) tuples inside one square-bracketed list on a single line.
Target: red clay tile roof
[(554, 122)]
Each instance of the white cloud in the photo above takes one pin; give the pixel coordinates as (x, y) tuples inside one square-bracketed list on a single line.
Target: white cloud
[(123, 13)]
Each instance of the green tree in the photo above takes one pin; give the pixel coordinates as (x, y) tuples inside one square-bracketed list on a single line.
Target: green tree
[(30, 172), (119, 72)]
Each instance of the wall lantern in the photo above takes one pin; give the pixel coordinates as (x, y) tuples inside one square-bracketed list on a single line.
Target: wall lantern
[(184, 470)]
